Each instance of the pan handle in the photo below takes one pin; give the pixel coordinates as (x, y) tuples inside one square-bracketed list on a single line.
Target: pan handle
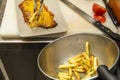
[(105, 74)]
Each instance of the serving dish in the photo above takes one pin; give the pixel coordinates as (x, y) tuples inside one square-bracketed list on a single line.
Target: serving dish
[(25, 31)]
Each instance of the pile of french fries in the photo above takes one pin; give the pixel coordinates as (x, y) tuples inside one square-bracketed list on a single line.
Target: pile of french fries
[(81, 63)]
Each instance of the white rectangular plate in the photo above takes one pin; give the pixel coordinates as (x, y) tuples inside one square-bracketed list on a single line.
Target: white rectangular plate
[(26, 31)]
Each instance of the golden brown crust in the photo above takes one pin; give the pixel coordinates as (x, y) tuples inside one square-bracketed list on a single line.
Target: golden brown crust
[(26, 13), (115, 6), (46, 18)]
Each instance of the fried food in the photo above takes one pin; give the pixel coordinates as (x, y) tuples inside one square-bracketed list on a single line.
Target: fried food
[(81, 63), (31, 17)]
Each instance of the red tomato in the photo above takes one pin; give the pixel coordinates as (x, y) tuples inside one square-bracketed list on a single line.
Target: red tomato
[(100, 18), (98, 9)]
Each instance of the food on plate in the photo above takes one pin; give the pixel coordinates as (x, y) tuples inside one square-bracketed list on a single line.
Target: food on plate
[(115, 6), (31, 17), (84, 62), (99, 12)]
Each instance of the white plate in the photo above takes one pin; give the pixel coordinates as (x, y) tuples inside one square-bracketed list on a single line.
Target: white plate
[(26, 31)]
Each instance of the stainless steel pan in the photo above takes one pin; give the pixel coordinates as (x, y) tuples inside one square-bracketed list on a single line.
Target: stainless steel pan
[(57, 52)]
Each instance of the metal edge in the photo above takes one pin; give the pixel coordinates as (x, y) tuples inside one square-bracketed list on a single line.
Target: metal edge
[(3, 70), (2, 9)]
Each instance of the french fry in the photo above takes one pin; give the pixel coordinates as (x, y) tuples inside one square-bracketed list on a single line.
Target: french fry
[(89, 70), (63, 73), (86, 56), (73, 78), (80, 70), (70, 72), (87, 62), (81, 63), (83, 79), (63, 79), (95, 63), (87, 48), (33, 16), (89, 74), (63, 76), (85, 67), (92, 60), (74, 60), (80, 67), (77, 75), (67, 66)]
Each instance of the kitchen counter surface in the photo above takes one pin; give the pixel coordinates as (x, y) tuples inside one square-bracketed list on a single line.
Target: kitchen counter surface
[(75, 24)]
